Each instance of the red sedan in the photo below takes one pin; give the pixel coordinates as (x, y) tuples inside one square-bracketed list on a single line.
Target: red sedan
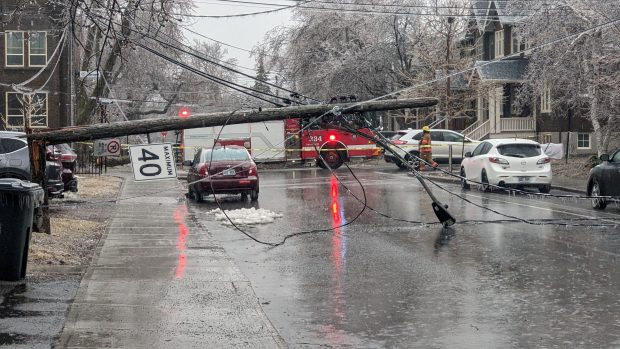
[(225, 169)]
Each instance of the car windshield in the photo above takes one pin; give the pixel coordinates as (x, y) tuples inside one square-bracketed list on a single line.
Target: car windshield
[(519, 150), (226, 154)]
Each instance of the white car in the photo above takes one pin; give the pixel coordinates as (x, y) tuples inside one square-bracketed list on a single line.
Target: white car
[(406, 142), (510, 162)]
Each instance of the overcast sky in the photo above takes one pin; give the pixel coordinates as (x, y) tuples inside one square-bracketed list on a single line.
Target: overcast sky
[(243, 32)]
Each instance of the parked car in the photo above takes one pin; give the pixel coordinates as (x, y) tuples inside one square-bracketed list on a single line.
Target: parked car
[(510, 162), (15, 162), (388, 134), (406, 143), (231, 168), (68, 159), (604, 179)]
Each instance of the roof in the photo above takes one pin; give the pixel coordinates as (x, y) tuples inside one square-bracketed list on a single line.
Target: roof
[(508, 70), (501, 141), (457, 82), (432, 130), (11, 134), (506, 14)]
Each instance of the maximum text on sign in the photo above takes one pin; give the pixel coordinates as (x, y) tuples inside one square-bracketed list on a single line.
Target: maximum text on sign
[(153, 161)]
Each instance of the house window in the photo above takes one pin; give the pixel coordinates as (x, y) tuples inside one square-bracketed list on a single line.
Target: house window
[(545, 100), (499, 43), (37, 44), (18, 105), (14, 55), (519, 44), (583, 141)]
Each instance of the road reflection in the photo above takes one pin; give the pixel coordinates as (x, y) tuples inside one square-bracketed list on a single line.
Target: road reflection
[(179, 215), (338, 260)]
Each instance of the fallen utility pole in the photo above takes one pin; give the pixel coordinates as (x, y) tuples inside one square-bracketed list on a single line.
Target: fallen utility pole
[(125, 128)]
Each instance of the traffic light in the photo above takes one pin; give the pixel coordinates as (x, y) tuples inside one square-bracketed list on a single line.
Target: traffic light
[(184, 112)]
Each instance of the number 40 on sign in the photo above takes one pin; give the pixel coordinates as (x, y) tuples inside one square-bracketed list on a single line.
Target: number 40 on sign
[(153, 161)]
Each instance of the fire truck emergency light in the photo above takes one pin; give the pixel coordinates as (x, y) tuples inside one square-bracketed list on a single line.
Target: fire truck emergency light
[(184, 112)]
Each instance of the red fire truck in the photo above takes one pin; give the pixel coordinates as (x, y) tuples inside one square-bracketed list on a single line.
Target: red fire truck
[(334, 146), (283, 141)]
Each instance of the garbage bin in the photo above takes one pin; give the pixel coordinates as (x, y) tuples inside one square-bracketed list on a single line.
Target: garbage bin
[(18, 200)]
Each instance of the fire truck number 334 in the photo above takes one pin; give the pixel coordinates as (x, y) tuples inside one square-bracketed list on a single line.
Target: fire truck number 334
[(316, 139)]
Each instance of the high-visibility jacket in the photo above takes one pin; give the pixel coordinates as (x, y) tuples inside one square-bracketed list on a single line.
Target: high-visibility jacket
[(425, 144)]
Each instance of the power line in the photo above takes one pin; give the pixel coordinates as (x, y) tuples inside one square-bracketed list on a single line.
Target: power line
[(211, 77), (429, 7), (206, 75), (199, 56)]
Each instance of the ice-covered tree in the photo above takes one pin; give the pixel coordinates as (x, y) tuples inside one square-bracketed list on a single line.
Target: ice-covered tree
[(582, 73)]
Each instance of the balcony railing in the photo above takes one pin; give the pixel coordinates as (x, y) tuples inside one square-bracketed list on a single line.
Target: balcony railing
[(517, 124)]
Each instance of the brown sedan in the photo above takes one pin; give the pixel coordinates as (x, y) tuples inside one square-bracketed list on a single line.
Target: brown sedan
[(222, 170)]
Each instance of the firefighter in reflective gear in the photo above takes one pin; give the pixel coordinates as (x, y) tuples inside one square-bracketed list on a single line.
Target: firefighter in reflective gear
[(426, 150)]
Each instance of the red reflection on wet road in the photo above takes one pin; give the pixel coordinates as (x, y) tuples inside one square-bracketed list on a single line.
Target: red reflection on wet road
[(179, 217), (338, 259)]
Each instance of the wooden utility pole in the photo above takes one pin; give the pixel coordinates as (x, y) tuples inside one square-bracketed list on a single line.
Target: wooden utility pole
[(125, 128), (36, 150), (448, 83)]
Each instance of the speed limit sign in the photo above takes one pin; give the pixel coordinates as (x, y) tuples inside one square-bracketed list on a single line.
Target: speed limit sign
[(153, 161)]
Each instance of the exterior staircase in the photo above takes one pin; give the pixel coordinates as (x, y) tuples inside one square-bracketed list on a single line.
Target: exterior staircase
[(478, 130)]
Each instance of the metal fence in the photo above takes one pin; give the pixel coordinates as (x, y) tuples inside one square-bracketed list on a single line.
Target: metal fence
[(86, 162)]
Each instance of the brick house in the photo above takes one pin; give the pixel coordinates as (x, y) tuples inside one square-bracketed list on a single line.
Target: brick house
[(490, 36), (35, 51)]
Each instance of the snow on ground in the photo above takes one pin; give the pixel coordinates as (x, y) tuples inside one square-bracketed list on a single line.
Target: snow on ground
[(246, 216)]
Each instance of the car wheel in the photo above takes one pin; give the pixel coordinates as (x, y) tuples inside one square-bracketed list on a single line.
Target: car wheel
[(597, 204), (464, 183), (485, 181), (244, 196), (332, 158), (401, 165), (254, 195), (413, 156), (545, 189), (197, 196)]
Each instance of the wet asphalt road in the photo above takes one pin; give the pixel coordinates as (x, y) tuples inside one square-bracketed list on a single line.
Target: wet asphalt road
[(384, 283)]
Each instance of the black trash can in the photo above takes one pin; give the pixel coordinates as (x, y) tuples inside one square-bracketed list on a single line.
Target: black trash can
[(18, 200)]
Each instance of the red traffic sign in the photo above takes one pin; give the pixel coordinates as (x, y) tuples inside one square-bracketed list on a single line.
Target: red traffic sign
[(164, 133), (113, 147)]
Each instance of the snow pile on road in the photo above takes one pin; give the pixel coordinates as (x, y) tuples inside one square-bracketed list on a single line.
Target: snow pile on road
[(246, 216)]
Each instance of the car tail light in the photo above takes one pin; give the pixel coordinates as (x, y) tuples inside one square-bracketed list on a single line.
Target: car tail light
[(202, 170), (399, 142), (498, 160), (252, 171), (52, 155), (545, 160)]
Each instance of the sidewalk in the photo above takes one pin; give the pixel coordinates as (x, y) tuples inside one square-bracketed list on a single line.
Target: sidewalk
[(160, 281)]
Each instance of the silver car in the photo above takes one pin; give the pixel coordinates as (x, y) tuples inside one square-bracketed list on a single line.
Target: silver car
[(15, 162), (405, 142)]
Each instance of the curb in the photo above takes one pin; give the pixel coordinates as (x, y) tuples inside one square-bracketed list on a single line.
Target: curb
[(454, 180)]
